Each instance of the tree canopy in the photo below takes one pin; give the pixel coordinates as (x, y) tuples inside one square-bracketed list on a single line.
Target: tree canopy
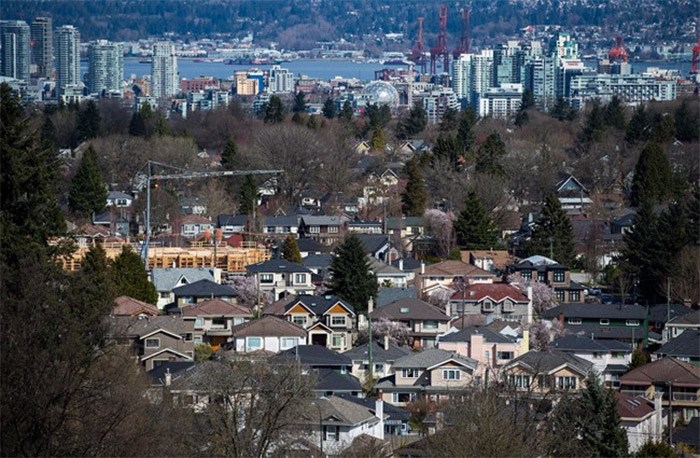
[(652, 176), (474, 227), (88, 192), (130, 277), (415, 196), (351, 278), (553, 234), (290, 250)]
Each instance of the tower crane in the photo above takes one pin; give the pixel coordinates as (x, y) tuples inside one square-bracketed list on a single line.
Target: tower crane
[(146, 176)]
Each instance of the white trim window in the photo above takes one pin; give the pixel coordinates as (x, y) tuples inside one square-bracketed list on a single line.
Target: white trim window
[(337, 340), (409, 373), (566, 383), (451, 374), (338, 320), (267, 278), (288, 342), (253, 343), (299, 279), (331, 433), (299, 320), (152, 343), (632, 323), (574, 321)]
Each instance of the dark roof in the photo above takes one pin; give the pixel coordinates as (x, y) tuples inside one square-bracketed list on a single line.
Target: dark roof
[(278, 265), (318, 304), (692, 319), (286, 221), (597, 311), (688, 435), (394, 412), (314, 356), (231, 220), (268, 326), (548, 360), (319, 261), (663, 370), (379, 353), (176, 369), (204, 288), (403, 222), (388, 295), (623, 333), (465, 335), (686, 345), (409, 264), (658, 313), (332, 380), (409, 309), (372, 243), (586, 344), (311, 246)]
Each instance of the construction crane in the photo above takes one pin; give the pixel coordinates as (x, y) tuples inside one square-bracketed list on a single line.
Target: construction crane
[(418, 51), (440, 48), (464, 38), (696, 58), (145, 177), (618, 53)]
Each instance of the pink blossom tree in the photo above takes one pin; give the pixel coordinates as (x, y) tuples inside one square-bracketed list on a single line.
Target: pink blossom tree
[(439, 225), (543, 295), (247, 290), (543, 332), (395, 330)]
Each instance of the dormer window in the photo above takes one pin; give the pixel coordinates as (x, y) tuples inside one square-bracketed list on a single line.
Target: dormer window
[(487, 305), (559, 276), (508, 306)]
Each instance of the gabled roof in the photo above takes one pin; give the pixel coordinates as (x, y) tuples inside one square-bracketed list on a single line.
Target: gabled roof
[(466, 334), (175, 368), (319, 305), (127, 326), (633, 408), (388, 295), (278, 308), (597, 311), (165, 279), (404, 222), (311, 220), (373, 243), (497, 292), (268, 326), (660, 313), (379, 353), (332, 380), (689, 319), (311, 246), (317, 261), (205, 288), (686, 345), (570, 178), (281, 221), (166, 350), (548, 361), (664, 370), (409, 309), (454, 268), (113, 195), (128, 306), (433, 357), (194, 219), (216, 307), (314, 356), (585, 344), (277, 266), (231, 220), (380, 268), (391, 412), (338, 411), (500, 258)]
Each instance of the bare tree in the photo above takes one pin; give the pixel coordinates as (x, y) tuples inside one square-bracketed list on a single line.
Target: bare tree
[(685, 283), (214, 194)]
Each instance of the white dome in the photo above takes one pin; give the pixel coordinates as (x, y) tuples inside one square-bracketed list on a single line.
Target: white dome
[(382, 93)]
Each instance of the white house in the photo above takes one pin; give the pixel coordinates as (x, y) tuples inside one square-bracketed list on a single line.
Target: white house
[(167, 279), (610, 358), (269, 333), (642, 419), (280, 278)]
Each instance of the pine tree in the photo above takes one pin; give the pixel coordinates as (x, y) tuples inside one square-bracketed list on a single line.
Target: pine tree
[(290, 250), (88, 193), (88, 121), (687, 123), (229, 156), (346, 113), (562, 110), (639, 127), (378, 141), (465, 130), (594, 127), (137, 126), (652, 176), (474, 227), (130, 278), (274, 111), (299, 102), (248, 196), (553, 234), (489, 155), (351, 278), (448, 123), (415, 122), (447, 148), (329, 111), (415, 196), (95, 270), (615, 114)]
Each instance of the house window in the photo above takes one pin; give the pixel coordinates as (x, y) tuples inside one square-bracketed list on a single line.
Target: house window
[(288, 342), (253, 343), (559, 276), (487, 355), (508, 306), (121, 202), (379, 368), (314, 229), (487, 305), (219, 322), (266, 278), (526, 275), (197, 340), (299, 278), (430, 324), (560, 296), (574, 320), (409, 373), (299, 320), (542, 277), (403, 397), (164, 295), (331, 433), (188, 337), (337, 340), (632, 323), (152, 343), (270, 229), (520, 381), (337, 320), (566, 383), (451, 374), (604, 321), (504, 355), (199, 323), (543, 381), (332, 229)]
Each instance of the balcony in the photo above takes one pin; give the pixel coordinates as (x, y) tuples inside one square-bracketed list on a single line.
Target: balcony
[(219, 331)]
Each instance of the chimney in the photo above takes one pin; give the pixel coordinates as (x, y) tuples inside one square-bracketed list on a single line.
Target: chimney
[(168, 377), (379, 413), (386, 341), (370, 306), (658, 426), (401, 264), (525, 344), (422, 268)]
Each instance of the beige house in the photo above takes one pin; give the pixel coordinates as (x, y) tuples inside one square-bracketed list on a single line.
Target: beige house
[(447, 273), (424, 321), (545, 373), (214, 319)]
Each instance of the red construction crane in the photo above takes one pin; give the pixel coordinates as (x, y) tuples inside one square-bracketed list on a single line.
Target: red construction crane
[(696, 58), (440, 48), (618, 53), (418, 51), (464, 38)]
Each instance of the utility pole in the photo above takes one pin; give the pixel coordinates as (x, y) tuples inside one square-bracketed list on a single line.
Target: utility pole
[(369, 332)]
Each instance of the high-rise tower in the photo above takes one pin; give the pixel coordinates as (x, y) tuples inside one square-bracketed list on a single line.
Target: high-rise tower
[(164, 75), (42, 46), (14, 38), (106, 66), (68, 53)]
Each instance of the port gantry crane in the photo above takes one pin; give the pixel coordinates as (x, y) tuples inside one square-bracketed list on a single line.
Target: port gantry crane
[(146, 176)]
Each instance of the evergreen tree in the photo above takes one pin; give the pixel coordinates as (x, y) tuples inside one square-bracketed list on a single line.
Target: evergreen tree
[(687, 123), (489, 155), (447, 148), (329, 111), (274, 111), (88, 193), (137, 126), (594, 128), (474, 227), (160, 125), (465, 130), (346, 112), (448, 123), (229, 156), (378, 141), (528, 100), (312, 123), (248, 196), (351, 277), (130, 278), (553, 234), (298, 118), (88, 121), (652, 176), (562, 110), (290, 250), (639, 358), (415, 196), (615, 114), (415, 122), (95, 269), (639, 127), (663, 128), (299, 102)]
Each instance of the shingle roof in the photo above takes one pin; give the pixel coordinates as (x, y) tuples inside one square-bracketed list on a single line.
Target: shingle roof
[(388, 295), (128, 306), (404, 222), (176, 369), (311, 245), (319, 261), (622, 333), (311, 220), (596, 311), (686, 345), (379, 353), (141, 326), (692, 319), (285, 221), (586, 344), (194, 219), (232, 220), (268, 326), (118, 195), (168, 278), (432, 357), (660, 312), (205, 288), (314, 355), (548, 360), (338, 411), (216, 307), (372, 243), (318, 304), (381, 268), (689, 435), (394, 412), (465, 335), (409, 264), (278, 308), (277, 266), (455, 268), (664, 370), (409, 309), (495, 291), (332, 380)]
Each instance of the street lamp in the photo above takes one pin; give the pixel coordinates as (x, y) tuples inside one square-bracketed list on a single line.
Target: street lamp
[(320, 422)]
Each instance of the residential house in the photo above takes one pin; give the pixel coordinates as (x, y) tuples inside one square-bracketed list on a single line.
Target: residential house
[(545, 270), (358, 226), (281, 226), (396, 419), (328, 320), (192, 205), (406, 226), (498, 301), (362, 147), (319, 264), (572, 194), (308, 247), (380, 188), (414, 146), (119, 199), (687, 322), (494, 261), (113, 221), (623, 223), (167, 279), (425, 322), (269, 333), (155, 340), (384, 354), (661, 314), (432, 373), (128, 306), (338, 202), (193, 225), (214, 320), (387, 275), (202, 290), (325, 229), (279, 278), (490, 349), (643, 420), (378, 246), (388, 295), (685, 347), (610, 358), (331, 369), (677, 381), (688, 436), (627, 323), (232, 224), (547, 372), (335, 423), (441, 276)]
